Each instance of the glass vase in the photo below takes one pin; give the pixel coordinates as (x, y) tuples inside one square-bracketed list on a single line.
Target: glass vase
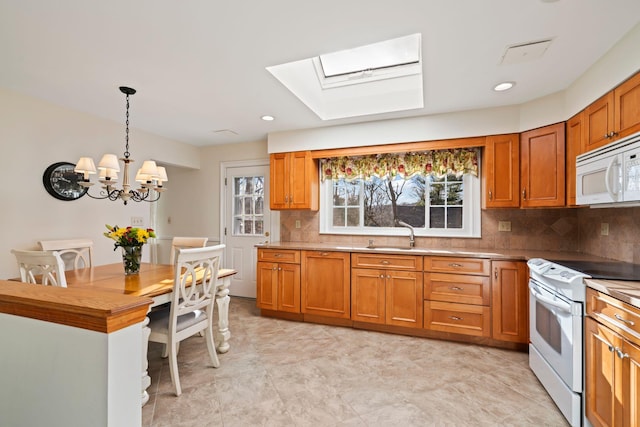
[(131, 256)]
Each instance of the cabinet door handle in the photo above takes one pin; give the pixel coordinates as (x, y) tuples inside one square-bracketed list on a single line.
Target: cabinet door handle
[(628, 322), (524, 194), (613, 134), (456, 288), (454, 265), (279, 268), (382, 276), (621, 355), (275, 268), (388, 277), (324, 253), (384, 261), (455, 318), (490, 195), (495, 273), (607, 136)]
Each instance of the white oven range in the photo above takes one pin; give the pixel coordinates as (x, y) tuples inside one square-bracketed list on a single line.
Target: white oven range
[(556, 316)]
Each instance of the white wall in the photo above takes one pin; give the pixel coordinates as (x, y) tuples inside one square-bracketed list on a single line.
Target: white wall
[(614, 67), (35, 134), (195, 209), (58, 375)]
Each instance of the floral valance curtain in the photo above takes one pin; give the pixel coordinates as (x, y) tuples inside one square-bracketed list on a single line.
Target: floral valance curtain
[(438, 162)]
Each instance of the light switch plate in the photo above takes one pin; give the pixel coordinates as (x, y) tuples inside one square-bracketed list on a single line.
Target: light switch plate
[(137, 221), (604, 228)]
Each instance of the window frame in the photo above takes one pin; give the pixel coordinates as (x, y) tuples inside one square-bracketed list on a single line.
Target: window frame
[(471, 218)]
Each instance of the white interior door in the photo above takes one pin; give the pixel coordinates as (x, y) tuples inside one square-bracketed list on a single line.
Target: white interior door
[(247, 222)]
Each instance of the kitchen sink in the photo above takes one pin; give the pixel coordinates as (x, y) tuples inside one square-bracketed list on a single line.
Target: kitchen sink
[(390, 248)]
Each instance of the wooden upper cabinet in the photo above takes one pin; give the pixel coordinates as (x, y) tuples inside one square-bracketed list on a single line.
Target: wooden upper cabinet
[(598, 122), (626, 111), (574, 146), (542, 167), (502, 171), (613, 116), (294, 181)]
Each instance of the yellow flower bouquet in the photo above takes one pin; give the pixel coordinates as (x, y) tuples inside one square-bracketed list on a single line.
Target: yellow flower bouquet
[(130, 239)]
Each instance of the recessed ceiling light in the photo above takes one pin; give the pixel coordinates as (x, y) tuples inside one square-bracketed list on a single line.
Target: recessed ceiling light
[(500, 87), (268, 118)]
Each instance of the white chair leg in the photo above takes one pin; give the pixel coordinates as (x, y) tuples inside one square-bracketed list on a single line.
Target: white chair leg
[(165, 351), (212, 347), (173, 369)]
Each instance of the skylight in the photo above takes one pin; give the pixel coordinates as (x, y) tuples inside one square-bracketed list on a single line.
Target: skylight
[(372, 79)]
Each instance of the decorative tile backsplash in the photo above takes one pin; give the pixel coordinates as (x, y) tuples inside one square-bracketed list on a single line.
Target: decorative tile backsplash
[(573, 230)]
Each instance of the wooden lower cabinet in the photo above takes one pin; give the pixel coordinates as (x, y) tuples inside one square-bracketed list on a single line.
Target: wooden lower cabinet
[(278, 280), (387, 297), (326, 289), (612, 362), (466, 319), (278, 287), (510, 301)]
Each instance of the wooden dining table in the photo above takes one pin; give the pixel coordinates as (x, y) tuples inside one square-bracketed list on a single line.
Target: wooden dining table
[(154, 281)]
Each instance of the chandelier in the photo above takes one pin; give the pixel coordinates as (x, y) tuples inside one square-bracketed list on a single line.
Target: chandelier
[(149, 176)]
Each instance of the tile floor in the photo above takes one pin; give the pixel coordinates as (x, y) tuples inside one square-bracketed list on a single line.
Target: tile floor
[(282, 373)]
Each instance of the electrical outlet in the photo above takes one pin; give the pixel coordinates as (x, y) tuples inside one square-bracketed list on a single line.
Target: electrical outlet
[(604, 229), (504, 225), (137, 221), (297, 223)]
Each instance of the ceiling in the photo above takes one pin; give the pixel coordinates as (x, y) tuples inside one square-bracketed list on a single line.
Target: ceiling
[(199, 66)]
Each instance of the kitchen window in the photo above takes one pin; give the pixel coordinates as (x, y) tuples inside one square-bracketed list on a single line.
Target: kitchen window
[(436, 192)]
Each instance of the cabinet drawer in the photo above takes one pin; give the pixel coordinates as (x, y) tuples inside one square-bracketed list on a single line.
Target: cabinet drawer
[(460, 288), (396, 262), (617, 315), (279, 255), (463, 319), (443, 264)]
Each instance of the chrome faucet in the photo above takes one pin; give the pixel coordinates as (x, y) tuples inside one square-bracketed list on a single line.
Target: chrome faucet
[(412, 240)]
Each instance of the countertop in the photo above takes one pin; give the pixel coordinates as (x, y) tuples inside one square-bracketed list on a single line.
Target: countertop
[(498, 254), (623, 290)]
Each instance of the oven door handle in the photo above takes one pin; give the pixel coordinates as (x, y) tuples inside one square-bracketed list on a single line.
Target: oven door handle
[(547, 301)]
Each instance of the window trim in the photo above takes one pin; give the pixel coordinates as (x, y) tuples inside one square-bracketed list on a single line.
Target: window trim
[(472, 213)]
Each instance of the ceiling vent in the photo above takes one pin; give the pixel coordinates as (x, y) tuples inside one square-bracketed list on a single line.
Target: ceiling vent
[(519, 53)]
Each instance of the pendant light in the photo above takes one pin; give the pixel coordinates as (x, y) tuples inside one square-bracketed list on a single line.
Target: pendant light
[(149, 176)]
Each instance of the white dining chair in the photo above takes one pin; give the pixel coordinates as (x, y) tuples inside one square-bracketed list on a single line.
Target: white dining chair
[(75, 253), (191, 308), (47, 266), (184, 243)]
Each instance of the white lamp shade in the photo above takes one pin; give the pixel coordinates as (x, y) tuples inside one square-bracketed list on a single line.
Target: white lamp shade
[(162, 174), (85, 165), (109, 161), (149, 168), (108, 173), (140, 177)]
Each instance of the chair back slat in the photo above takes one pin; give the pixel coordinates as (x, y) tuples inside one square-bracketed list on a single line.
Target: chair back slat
[(75, 253), (41, 267), (185, 243)]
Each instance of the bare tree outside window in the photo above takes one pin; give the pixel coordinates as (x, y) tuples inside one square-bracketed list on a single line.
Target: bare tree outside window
[(386, 201)]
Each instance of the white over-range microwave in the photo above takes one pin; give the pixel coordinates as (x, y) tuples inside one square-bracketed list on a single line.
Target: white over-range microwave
[(610, 175)]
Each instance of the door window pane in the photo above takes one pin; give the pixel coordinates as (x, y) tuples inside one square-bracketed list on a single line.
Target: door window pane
[(248, 206)]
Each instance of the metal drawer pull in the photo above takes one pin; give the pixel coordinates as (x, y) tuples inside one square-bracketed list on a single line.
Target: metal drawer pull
[(628, 322), (382, 276), (277, 255), (456, 288), (324, 253), (611, 348), (621, 355), (453, 264), (455, 318), (384, 261)]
